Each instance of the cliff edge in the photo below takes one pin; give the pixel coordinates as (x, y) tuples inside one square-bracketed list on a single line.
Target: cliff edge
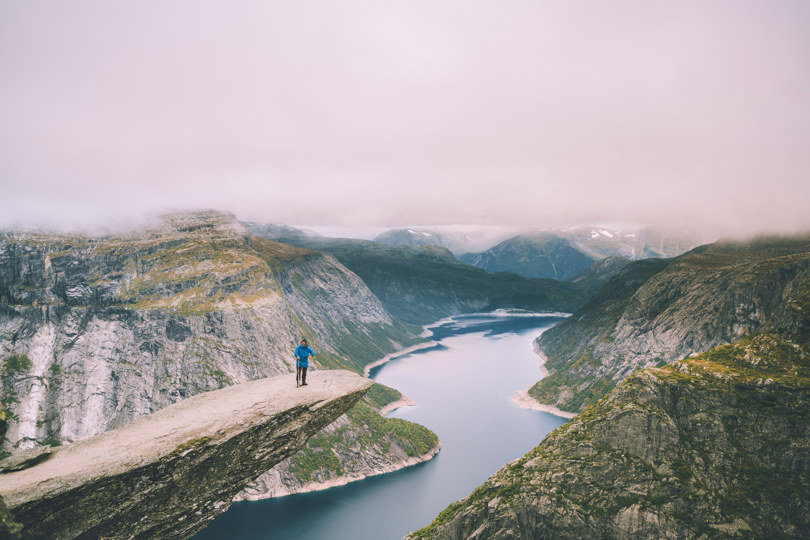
[(170, 473)]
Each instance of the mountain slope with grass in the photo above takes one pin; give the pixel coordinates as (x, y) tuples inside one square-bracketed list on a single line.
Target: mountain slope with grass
[(659, 310), (715, 446)]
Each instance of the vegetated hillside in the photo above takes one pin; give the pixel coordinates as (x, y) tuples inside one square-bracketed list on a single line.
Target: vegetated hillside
[(538, 255), (656, 311), (424, 284), (716, 446), (95, 332), (360, 444), (596, 275)]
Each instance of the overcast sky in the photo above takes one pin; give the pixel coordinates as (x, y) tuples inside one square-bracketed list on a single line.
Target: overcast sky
[(681, 114)]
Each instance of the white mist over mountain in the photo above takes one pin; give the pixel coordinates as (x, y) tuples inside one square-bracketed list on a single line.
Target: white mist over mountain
[(689, 115)]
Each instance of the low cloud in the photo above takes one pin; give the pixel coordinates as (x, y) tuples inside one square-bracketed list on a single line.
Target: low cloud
[(685, 116)]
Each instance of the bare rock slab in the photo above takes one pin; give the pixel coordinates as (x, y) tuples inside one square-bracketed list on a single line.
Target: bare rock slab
[(25, 459), (168, 474)]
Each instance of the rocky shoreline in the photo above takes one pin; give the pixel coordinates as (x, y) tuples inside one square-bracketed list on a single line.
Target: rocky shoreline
[(394, 355), (522, 398), (405, 401), (310, 487)]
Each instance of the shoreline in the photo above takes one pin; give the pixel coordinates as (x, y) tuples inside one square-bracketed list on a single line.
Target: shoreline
[(543, 359), (394, 355), (522, 398), (403, 401), (347, 479), (427, 332)]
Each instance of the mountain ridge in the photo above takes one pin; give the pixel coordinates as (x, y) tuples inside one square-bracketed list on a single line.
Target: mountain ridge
[(659, 310)]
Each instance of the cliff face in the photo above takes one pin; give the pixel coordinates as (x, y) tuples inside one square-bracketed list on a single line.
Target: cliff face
[(713, 446), (95, 332), (168, 474), (657, 311)]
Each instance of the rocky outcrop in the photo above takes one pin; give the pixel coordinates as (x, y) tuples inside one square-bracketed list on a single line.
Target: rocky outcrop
[(658, 311), (168, 474), (96, 332), (8, 527), (716, 446)]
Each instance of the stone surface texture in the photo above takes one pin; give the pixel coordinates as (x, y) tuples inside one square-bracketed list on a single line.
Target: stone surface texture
[(166, 475)]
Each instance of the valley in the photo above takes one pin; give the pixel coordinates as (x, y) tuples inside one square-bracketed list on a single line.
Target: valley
[(98, 332)]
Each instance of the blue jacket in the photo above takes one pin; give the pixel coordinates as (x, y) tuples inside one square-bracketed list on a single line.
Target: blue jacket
[(302, 355)]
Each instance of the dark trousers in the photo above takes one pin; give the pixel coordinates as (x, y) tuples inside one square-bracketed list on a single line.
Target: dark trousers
[(302, 374)]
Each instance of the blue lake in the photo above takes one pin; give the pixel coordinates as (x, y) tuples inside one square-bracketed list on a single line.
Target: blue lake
[(463, 388)]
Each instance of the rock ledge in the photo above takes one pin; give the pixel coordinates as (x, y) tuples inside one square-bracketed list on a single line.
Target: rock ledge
[(169, 473)]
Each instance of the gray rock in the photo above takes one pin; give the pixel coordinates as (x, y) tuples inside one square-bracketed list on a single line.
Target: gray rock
[(189, 305), (25, 459), (168, 474)]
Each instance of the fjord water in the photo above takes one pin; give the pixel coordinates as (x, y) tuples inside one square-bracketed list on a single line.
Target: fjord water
[(463, 388)]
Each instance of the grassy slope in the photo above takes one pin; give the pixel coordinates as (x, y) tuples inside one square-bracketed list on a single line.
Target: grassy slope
[(721, 449), (567, 344), (702, 288)]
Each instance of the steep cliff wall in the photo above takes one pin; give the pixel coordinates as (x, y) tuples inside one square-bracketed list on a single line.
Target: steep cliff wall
[(168, 474), (716, 446), (657, 311), (96, 332)]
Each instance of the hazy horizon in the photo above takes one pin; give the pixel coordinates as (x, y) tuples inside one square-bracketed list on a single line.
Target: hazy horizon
[(678, 116)]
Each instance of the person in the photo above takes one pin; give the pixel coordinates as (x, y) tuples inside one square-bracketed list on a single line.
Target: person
[(302, 354)]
